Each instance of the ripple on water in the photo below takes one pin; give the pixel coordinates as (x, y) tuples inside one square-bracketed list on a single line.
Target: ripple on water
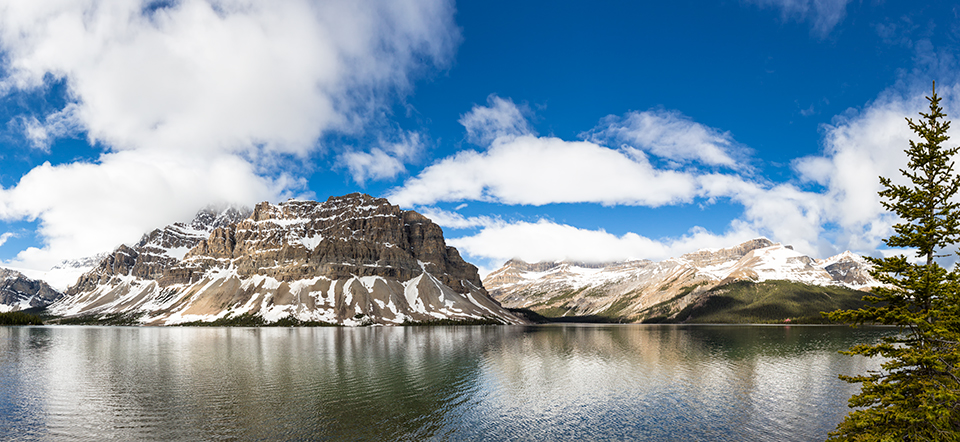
[(426, 383)]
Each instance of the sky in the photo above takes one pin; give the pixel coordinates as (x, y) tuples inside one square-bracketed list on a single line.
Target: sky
[(589, 131)]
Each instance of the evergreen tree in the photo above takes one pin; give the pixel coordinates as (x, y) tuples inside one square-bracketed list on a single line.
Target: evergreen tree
[(916, 396)]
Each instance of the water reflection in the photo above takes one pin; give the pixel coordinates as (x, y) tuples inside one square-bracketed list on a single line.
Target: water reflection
[(435, 383), (666, 383)]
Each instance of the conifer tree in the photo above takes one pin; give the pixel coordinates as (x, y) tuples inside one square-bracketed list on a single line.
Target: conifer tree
[(916, 395)]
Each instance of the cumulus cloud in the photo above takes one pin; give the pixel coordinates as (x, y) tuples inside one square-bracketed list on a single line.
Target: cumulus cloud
[(830, 206), (670, 135), (196, 101), (526, 169), (549, 241), (824, 14), (542, 170), (518, 167), (86, 208), (859, 147), (221, 76), (500, 118)]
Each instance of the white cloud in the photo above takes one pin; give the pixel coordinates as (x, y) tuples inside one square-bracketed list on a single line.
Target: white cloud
[(385, 161), (455, 220), (87, 208), (375, 164), (199, 101), (5, 237), (825, 14), (543, 170), (224, 76), (500, 118), (531, 170), (670, 135), (859, 148), (63, 123), (548, 241), (832, 205)]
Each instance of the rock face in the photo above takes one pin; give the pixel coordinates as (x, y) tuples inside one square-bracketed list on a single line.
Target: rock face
[(632, 290), (350, 260), (17, 292), (157, 250)]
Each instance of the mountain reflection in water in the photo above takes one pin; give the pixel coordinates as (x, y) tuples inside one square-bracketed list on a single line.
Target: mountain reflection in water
[(573, 382)]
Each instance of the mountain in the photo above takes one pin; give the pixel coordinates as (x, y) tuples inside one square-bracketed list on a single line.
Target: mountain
[(156, 251), (645, 290), (64, 274), (18, 292), (351, 260)]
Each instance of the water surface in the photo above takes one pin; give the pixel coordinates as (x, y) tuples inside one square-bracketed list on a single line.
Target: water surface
[(540, 383)]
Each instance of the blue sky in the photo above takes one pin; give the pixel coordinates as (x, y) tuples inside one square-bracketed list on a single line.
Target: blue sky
[(541, 130)]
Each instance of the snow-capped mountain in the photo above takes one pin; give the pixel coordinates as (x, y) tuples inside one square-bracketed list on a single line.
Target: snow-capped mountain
[(18, 292), (632, 288), (66, 273), (350, 260)]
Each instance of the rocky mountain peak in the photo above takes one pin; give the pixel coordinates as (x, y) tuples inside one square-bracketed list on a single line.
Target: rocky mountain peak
[(351, 235), (212, 217), (513, 271), (633, 287), (158, 249), (714, 257), (85, 262), (350, 257), (18, 292)]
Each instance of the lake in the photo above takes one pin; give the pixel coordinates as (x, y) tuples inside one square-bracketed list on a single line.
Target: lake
[(537, 383)]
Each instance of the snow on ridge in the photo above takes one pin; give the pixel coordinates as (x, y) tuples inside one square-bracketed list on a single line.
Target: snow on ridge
[(288, 226), (773, 262), (845, 256), (282, 222)]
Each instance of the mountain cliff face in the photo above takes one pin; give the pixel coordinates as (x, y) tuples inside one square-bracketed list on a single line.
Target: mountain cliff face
[(17, 292), (157, 250), (639, 290), (351, 260)]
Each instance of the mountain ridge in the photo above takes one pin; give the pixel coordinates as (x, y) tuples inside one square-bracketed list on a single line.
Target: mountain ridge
[(19, 292), (351, 260), (631, 289)]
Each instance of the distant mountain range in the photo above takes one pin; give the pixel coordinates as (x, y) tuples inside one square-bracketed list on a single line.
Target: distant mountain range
[(643, 290), (355, 260), (351, 260)]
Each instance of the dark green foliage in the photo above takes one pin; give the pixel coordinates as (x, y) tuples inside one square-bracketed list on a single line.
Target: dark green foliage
[(529, 315), (244, 320), (766, 302), (434, 322), (556, 311), (105, 319), (541, 318), (684, 291), (660, 312), (249, 320), (917, 394), (617, 308), (19, 318)]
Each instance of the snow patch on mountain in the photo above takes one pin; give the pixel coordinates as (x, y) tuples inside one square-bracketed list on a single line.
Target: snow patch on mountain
[(352, 260), (772, 262), (632, 287)]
